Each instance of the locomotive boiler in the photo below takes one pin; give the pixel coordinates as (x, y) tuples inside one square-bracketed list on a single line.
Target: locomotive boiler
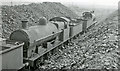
[(36, 38)]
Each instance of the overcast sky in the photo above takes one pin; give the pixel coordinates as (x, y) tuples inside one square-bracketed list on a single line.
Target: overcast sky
[(96, 2)]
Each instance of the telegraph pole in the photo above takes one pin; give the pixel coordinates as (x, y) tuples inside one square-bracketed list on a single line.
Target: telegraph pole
[(11, 3)]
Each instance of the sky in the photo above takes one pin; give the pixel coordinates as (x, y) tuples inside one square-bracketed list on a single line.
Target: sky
[(88, 2)]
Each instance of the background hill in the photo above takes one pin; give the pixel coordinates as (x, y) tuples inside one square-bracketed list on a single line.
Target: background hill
[(12, 15), (99, 10)]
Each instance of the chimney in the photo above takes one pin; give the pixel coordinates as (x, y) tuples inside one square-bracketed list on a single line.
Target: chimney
[(24, 24)]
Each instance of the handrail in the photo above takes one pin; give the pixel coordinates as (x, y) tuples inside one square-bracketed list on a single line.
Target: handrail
[(47, 36), (11, 48)]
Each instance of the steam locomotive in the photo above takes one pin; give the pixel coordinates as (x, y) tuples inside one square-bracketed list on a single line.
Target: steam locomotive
[(27, 45)]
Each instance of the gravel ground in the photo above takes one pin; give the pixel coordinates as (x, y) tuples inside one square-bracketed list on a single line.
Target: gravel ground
[(97, 49)]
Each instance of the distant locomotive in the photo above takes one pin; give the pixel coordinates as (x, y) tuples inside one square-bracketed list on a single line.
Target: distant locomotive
[(27, 45)]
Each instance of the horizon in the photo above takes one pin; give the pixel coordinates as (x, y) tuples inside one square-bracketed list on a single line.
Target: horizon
[(66, 4), (74, 2)]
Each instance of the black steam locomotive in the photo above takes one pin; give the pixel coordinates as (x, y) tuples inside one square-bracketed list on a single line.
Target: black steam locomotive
[(27, 45)]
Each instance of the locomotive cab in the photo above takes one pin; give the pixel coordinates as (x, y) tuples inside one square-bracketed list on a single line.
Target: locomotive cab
[(63, 24), (60, 22)]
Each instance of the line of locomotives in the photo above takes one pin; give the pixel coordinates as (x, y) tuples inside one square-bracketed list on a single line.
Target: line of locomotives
[(25, 46)]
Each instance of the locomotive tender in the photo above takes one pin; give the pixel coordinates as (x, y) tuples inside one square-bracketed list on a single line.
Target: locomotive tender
[(27, 45)]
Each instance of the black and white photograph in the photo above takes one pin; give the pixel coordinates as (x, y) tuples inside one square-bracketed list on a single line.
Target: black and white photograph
[(59, 35)]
